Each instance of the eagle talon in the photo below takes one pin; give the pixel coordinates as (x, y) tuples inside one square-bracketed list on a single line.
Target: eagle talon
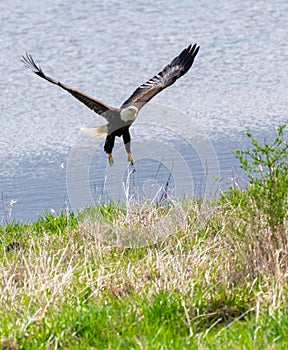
[(130, 158), (110, 159)]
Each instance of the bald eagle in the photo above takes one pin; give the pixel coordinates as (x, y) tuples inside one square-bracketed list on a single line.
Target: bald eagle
[(120, 119)]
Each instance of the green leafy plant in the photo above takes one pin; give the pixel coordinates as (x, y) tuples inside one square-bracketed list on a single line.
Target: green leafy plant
[(266, 166), (260, 211)]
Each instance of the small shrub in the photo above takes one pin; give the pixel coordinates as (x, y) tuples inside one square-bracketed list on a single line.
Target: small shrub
[(263, 206), (266, 167)]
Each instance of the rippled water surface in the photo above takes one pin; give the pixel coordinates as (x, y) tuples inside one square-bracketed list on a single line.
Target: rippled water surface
[(106, 49)]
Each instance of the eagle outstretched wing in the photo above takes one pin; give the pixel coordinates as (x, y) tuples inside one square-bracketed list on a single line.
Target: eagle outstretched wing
[(170, 73), (96, 105)]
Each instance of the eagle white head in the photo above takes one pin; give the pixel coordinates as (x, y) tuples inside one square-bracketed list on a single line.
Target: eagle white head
[(129, 113)]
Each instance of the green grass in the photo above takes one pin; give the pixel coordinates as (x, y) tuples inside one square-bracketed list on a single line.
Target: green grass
[(192, 275)]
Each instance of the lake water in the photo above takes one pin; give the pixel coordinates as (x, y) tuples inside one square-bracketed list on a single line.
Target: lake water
[(238, 82)]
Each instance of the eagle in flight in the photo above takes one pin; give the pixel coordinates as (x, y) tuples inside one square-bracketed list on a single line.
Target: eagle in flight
[(120, 119)]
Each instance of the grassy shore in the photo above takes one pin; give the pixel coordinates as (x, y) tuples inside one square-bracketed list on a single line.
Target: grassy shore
[(213, 282), (189, 275)]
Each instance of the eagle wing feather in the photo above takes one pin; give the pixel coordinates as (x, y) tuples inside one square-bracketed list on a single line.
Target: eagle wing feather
[(169, 74), (96, 105)]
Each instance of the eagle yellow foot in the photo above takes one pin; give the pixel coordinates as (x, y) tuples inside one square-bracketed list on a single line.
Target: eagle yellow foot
[(110, 159), (130, 158)]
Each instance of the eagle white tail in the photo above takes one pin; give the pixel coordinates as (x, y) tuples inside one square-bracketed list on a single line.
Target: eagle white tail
[(96, 132)]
